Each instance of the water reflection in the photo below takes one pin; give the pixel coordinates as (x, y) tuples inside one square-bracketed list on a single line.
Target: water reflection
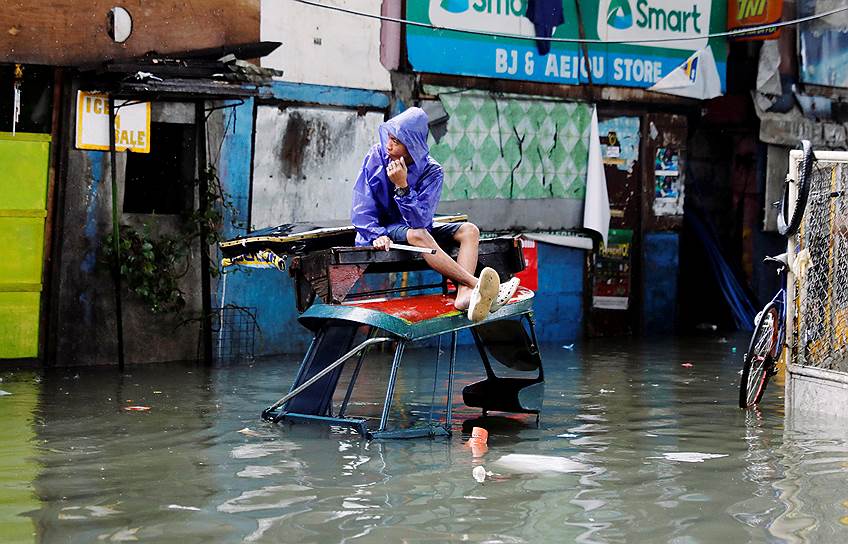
[(632, 447), (18, 398)]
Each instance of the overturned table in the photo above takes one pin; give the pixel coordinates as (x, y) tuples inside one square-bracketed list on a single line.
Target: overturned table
[(346, 325)]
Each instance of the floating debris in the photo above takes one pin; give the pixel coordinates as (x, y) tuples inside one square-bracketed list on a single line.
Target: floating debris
[(527, 463), (122, 535), (137, 408), (180, 507), (479, 474), (247, 431), (478, 442), (4, 393), (569, 347), (687, 365), (689, 456)]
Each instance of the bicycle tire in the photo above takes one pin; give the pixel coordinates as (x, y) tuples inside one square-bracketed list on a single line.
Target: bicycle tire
[(759, 359), (788, 225)]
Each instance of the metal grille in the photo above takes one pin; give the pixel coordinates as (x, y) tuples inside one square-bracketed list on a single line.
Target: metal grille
[(235, 329), (821, 269)]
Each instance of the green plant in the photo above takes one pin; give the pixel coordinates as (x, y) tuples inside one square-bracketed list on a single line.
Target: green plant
[(151, 266)]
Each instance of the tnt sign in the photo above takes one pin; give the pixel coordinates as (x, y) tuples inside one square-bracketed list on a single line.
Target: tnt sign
[(743, 14)]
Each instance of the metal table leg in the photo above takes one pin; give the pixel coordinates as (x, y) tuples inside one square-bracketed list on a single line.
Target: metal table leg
[(449, 411), (435, 380), (390, 389), (371, 332)]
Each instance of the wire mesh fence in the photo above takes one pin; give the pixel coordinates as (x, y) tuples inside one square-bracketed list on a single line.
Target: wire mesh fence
[(234, 330), (821, 271)]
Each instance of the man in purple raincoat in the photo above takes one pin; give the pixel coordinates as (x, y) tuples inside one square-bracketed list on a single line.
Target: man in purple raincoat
[(394, 199)]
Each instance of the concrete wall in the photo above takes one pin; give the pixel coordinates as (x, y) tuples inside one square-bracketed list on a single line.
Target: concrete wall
[(267, 294), (320, 47), (306, 162), (84, 323), (661, 256), (816, 391)]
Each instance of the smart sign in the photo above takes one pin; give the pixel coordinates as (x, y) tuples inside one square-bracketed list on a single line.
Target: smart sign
[(684, 28)]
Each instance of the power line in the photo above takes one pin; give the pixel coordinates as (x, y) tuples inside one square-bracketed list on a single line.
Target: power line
[(739, 32)]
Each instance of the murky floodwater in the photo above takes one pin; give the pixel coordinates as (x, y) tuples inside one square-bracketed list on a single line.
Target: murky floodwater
[(622, 426)]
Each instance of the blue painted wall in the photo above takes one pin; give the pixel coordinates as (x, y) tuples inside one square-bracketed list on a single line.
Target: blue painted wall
[(659, 295), (559, 298), (325, 95), (268, 293)]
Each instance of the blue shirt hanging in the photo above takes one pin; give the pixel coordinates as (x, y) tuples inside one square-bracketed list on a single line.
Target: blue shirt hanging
[(545, 15)]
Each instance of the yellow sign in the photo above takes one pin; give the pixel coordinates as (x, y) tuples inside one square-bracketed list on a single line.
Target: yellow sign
[(132, 123)]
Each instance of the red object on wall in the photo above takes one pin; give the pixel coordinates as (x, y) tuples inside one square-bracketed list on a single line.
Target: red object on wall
[(530, 275), (742, 14)]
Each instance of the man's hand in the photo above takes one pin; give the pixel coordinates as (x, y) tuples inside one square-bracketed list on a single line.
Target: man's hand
[(397, 172), (383, 242)]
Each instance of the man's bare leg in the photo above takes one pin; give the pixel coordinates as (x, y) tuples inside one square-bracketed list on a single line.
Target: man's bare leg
[(442, 263), (468, 236)]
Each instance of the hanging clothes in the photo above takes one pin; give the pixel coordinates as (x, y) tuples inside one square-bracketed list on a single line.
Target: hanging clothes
[(545, 15), (375, 208)]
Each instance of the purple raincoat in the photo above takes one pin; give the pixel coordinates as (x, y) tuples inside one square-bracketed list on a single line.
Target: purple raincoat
[(375, 207)]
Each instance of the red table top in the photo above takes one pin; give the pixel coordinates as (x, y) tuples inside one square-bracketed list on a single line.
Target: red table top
[(418, 308)]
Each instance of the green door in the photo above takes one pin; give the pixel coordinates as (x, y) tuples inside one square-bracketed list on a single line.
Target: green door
[(24, 161)]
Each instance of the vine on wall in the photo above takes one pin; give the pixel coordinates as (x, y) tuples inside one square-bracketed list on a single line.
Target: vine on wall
[(151, 266)]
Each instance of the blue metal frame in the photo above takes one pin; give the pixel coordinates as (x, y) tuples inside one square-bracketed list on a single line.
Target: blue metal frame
[(320, 317)]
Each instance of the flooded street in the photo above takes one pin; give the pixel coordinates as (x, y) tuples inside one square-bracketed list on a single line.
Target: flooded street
[(632, 447)]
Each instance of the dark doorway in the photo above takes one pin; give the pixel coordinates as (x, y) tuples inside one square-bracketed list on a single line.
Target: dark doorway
[(162, 181)]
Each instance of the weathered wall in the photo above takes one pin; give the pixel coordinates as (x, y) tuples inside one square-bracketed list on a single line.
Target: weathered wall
[(59, 32), (306, 162), (267, 294), (84, 325), (321, 46)]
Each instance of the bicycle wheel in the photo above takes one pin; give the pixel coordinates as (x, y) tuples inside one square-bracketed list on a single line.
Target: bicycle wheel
[(787, 224), (759, 358)]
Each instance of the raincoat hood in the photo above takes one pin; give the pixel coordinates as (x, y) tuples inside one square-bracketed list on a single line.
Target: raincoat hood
[(411, 129)]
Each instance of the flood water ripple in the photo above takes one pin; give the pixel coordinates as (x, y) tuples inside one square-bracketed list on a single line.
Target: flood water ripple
[(632, 447)]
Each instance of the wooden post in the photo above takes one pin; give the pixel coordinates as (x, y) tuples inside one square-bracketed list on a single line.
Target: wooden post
[(203, 204), (116, 246)]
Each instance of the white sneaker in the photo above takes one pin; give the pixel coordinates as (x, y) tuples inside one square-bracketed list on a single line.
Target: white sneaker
[(483, 295), (505, 292)]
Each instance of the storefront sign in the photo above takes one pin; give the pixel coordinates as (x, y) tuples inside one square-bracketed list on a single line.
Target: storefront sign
[(132, 123), (623, 64), (743, 14)]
